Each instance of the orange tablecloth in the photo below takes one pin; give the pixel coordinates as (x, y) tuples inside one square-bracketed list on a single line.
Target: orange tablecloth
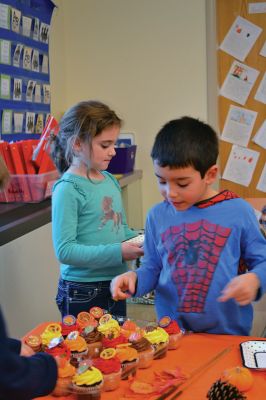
[(194, 351)]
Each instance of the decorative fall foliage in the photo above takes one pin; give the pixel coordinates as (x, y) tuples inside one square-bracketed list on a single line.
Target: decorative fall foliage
[(239, 377)]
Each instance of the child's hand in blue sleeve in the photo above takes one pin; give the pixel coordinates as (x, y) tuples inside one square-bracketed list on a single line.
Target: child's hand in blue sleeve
[(123, 286), (242, 288)]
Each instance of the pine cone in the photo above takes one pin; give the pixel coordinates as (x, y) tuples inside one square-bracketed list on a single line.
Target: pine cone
[(224, 391)]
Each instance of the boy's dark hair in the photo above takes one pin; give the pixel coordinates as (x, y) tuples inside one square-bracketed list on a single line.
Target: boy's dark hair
[(186, 142)]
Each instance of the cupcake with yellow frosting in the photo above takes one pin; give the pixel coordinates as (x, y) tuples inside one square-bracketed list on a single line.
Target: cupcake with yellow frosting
[(52, 331), (158, 338), (111, 331), (65, 373), (87, 383), (173, 330), (129, 360), (77, 346)]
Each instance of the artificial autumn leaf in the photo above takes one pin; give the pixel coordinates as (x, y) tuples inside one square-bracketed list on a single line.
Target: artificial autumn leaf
[(140, 387)]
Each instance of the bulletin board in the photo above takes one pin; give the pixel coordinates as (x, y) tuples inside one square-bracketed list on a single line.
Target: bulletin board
[(24, 68), (241, 101)]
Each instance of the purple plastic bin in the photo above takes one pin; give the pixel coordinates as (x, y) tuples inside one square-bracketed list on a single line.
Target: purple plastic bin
[(124, 160)]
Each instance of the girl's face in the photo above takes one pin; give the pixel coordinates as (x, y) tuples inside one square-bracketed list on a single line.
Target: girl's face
[(102, 149)]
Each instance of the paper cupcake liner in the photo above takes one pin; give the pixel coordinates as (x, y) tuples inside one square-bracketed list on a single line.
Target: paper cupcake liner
[(129, 369)]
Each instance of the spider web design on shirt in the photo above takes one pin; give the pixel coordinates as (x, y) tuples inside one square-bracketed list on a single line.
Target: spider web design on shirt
[(194, 251)]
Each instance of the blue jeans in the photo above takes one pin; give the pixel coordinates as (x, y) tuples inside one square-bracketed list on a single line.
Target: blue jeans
[(74, 297)]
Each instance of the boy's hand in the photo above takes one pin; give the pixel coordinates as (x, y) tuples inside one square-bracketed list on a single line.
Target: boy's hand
[(242, 288), (123, 286), (131, 251)]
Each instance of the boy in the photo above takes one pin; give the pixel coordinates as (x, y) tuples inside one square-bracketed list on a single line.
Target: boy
[(23, 374), (198, 242)]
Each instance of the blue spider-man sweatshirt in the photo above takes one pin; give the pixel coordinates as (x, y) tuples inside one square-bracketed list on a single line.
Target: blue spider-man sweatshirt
[(190, 256)]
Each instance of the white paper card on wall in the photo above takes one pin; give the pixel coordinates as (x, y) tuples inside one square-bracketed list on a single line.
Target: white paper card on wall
[(262, 181), (257, 8), (240, 38), (29, 92), (30, 122), (263, 50), (17, 89), (4, 16), (45, 68), (261, 91), (37, 93), (260, 136), (239, 82), (26, 26), (7, 121), (27, 58), (5, 87), (5, 51), (238, 125), (35, 34), (18, 122), (240, 165), (15, 20), (17, 53), (35, 64)]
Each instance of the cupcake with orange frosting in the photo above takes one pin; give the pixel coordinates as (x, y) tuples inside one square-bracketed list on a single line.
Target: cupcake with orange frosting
[(77, 346), (173, 330), (110, 366), (129, 360), (159, 339), (87, 383), (128, 328), (34, 342), (144, 348), (84, 319), (65, 373), (93, 339)]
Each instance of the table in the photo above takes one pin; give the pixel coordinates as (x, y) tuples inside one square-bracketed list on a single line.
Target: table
[(195, 350)]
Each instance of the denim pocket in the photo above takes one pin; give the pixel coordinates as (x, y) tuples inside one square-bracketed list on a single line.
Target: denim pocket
[(81, 294)]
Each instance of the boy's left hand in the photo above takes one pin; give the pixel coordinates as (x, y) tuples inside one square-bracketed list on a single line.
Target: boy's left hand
[(242, 288)]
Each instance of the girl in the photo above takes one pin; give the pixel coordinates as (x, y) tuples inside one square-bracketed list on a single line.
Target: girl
[(88, 219)]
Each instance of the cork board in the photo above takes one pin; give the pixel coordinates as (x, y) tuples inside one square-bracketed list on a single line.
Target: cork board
[(226, 13)]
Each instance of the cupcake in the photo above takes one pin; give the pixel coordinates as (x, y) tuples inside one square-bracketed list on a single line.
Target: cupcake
[(128, 328), (85, 319), (65, 373), (77, 346), (87, 383), (159, 340), (175, 334), (68, 324), (111, 331), (93, 339), (110, 366), (52, 331), (129, 360), (96, 312), (58, 348), (34, 342), (144, 348)]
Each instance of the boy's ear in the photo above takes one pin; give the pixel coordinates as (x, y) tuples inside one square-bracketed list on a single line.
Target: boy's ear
[(77, 145), (211, 174)]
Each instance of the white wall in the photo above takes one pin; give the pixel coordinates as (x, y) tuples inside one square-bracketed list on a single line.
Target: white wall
[(145, 58), (28, 281)]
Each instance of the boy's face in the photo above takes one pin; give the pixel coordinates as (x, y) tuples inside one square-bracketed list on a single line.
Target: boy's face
[(183, 187)]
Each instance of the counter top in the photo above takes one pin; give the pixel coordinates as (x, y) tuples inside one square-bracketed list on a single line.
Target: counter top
[(17, 219), (205, 356)]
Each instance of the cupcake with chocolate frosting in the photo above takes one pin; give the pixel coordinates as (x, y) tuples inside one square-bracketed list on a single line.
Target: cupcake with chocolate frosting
[(144, 349)]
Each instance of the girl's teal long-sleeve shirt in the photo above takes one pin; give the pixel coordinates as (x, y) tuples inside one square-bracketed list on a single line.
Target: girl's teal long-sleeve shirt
[(88, 226)]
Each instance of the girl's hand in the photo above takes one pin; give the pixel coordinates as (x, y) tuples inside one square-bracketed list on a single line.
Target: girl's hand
[(123, 286), (242, 288), (131, 251)]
